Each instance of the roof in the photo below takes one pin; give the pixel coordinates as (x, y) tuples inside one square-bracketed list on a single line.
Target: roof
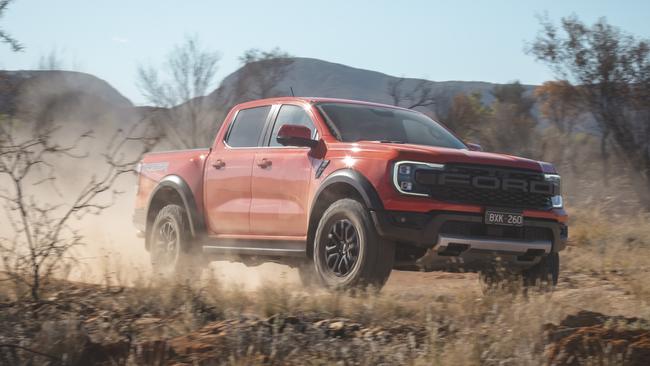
[(312, 100)]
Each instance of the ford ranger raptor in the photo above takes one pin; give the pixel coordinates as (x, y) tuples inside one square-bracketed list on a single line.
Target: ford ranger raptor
[(347, 191)]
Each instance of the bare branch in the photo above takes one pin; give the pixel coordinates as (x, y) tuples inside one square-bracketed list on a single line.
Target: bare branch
[(183, 111), (43, 229), (419, 94), (6, 37)]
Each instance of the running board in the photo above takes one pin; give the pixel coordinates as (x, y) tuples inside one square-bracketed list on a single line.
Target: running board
[(245, 251), (266, 248)]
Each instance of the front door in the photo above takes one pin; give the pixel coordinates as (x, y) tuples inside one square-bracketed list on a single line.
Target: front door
[(281, 178)]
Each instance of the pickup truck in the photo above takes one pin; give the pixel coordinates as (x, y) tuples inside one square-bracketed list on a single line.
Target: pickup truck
[(347, 191)]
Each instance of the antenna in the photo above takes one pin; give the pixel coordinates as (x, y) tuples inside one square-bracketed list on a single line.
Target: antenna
[(291, 88)]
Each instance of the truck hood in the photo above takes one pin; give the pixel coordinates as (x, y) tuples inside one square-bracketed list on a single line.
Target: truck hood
[(448, 155)]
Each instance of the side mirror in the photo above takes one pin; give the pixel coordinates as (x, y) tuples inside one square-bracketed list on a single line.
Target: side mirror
[(295, 135), (474, 147)]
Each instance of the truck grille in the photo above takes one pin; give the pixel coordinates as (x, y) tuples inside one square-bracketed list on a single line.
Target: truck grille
[(459, 191)]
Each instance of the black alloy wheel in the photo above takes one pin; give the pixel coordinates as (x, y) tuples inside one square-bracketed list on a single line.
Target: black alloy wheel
[(342, 249)]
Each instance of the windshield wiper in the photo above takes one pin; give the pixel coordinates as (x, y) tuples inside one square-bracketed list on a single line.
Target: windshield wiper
[(391, 142), (384, 141)]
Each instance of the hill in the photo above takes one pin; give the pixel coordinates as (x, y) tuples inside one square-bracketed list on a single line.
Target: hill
[(25, 92), (45, 96), (318, 78)]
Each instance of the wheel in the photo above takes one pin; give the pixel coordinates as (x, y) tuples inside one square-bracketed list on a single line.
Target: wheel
[(545, 273), (348, 252), (171, 253)]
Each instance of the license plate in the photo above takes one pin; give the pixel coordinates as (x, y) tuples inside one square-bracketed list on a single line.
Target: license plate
[(507, 218)]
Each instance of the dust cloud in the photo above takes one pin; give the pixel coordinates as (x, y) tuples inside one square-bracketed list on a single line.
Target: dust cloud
[(112, 253)]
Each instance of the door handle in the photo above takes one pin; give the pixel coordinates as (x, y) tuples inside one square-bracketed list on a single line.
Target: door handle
[(218, 164), (265, 163)]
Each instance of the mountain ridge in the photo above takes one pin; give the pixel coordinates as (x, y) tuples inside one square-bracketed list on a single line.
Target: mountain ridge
[(306, 76)]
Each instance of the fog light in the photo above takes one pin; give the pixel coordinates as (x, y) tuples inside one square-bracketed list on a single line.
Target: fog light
[(406, 186)]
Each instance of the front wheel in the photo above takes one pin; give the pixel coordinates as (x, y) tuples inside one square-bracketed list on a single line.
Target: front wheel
[(172, 255), (348, 252)]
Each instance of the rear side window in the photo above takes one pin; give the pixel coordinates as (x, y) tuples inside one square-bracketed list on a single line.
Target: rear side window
[(291, 115), (247, 127)]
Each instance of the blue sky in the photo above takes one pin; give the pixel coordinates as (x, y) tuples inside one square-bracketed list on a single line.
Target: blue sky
[(439, 40)]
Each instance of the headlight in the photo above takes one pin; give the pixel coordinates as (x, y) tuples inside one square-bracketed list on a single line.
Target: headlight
[(404, 177), (556, 200)]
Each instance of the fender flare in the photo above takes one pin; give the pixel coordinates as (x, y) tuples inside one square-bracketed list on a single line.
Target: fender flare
[(195, 218), (355, 179)]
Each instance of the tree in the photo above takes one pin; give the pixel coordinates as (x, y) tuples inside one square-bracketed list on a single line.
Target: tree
[(559, 104), (51, 61), (467, 116), (411, 93), (608, 71), (512, 126), (4, 36), (43, 234), (258, 77), (514, 94), (186, 116)]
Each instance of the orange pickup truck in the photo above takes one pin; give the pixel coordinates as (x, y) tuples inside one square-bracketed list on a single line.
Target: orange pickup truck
[(348, 191)]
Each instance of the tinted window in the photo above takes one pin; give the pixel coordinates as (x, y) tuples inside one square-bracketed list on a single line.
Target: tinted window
[(291, 115), (247, 127), (356, 122)]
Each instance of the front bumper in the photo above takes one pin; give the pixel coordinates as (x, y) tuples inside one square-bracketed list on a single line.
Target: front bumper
[(449, 240)]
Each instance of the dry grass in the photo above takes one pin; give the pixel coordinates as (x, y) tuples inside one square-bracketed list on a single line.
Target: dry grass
[(613, 247), (604, 270)]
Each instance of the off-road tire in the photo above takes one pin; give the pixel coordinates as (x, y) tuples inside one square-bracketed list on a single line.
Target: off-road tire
[(544, 274), (374, 257), (178, 260)]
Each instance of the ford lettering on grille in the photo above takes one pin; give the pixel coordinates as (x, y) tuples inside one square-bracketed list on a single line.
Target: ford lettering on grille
[(508, 184), (489, 185)]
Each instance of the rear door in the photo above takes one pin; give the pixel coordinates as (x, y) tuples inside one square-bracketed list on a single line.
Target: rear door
[(228, 172), (281, 179)]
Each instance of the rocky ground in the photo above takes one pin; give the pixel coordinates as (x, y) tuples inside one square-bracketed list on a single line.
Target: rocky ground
[(419, 318)]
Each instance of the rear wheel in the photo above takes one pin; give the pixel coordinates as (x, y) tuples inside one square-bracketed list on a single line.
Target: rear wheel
[(172, 255), (347, 250)]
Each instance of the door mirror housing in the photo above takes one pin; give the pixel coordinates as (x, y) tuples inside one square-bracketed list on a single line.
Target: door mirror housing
[(474, 147), (295, 135)]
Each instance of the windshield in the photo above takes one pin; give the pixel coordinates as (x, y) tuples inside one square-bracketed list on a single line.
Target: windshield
[(356, 122)]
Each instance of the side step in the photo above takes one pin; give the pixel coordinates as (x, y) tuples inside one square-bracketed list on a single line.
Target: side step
[(253, 248), (239, 251)]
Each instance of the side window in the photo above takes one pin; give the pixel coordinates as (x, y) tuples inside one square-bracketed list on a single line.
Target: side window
[(247, 127), (291, 115)]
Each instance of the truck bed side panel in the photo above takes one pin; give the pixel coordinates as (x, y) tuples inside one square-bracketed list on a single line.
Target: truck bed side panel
[(186, 164)]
